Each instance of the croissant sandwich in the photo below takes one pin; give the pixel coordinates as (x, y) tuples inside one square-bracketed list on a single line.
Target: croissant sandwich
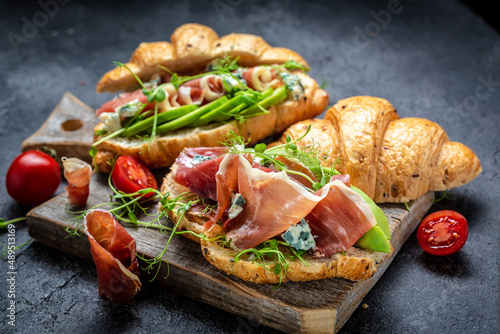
[(391, 159), (302, 208), (268, 215), (195, 90)]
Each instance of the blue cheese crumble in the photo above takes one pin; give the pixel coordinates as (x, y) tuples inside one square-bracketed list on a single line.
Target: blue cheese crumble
[(293, 84), (299, 236), (198, 159), (130, 109), (237, 202), (234, 82), (111, 121)]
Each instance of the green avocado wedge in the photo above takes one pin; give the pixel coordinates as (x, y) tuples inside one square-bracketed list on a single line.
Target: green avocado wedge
[(375, 240), (377, 237)]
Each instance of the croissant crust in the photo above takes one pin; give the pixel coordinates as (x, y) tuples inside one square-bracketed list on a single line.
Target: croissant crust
[(391, 159), (193, 46)]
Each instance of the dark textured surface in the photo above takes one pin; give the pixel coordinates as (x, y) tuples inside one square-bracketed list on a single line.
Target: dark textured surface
[(437, 60)]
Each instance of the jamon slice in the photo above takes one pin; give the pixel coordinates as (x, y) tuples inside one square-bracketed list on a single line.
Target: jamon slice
[(114, 254), (77, 172), (199, 177), (273, 202)]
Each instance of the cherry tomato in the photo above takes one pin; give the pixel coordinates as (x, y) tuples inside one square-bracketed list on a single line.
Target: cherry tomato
[(130, 175), (33, 177), (442, 233)]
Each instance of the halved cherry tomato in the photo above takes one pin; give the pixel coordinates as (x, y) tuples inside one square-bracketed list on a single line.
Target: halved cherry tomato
[(130, 175), (442, 233), (33, 177)]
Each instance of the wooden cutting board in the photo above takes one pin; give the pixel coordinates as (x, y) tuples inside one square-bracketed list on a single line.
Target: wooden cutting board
[(306, 307)]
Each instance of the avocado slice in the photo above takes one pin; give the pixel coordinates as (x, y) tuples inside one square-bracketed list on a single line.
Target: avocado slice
[(377, 237), (379, 214), (374, 239)]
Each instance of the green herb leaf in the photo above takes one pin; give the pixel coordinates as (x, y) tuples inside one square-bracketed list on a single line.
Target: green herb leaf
[(277, 268), (93, 151), (100, 132), (260, 148), (293, 65)]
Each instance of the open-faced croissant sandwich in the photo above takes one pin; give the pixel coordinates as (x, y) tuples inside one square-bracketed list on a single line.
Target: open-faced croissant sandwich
[(198, 88), (303, 208)]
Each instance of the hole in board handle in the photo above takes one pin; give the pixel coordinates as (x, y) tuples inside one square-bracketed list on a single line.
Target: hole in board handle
[(71, 125)]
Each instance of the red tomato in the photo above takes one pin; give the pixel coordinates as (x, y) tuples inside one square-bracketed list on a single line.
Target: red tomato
[(33, 177), (130, 175), (442, 233)]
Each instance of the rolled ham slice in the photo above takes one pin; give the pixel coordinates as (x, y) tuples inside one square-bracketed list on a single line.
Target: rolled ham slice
[(261, 78), (114, 254), (77, 172), (211, 84)]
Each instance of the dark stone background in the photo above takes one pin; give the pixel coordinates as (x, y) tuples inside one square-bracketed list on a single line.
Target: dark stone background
[(431, 59)]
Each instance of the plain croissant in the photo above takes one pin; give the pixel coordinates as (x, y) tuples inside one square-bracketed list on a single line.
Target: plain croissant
[(391, 159)]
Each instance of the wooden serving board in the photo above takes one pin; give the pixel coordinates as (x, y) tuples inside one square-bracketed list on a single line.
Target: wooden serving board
[(295, 307), (69, 130)]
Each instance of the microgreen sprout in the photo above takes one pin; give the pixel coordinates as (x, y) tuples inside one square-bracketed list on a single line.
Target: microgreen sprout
[(180, 207), (5, 250), (307, 156), (5, 223), (272, 255), (124, 207)]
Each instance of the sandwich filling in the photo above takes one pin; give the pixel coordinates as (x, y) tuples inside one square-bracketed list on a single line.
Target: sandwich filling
[(257, 200), (224, 93)]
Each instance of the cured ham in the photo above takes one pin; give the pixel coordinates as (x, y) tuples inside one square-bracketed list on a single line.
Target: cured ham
[(190, 95), (123, 99), (186, 94), (260, 78), (274, 202), (339, 220), (212, 86), (200, 177), (77, 173), (114, 254)]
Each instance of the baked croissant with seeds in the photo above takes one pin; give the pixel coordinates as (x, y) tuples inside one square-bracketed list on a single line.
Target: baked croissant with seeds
[(391, 159), (194, 101)]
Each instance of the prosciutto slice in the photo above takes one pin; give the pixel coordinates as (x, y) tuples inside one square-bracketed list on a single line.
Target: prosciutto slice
[(199, 178), (114, 254), (261, 78), (77, 173), (212, 86), (190, 95), (338, 220), (125, 98), (274, 202)]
